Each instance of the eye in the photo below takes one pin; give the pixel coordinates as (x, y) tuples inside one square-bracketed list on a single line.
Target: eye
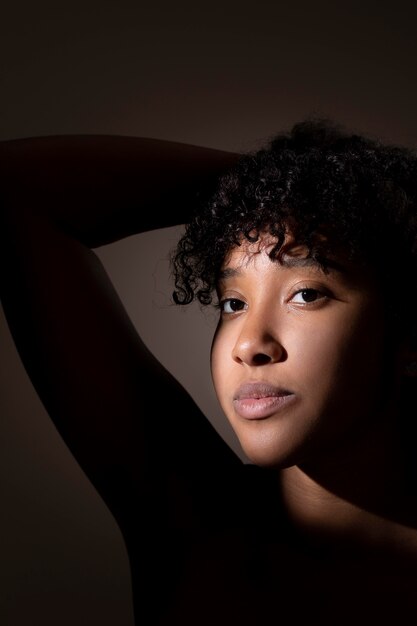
[(231, 305), (307, 296)]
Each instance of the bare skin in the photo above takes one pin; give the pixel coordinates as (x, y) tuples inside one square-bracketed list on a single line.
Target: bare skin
[(61, 197), (298, 367), (308, 348), (209, 540)]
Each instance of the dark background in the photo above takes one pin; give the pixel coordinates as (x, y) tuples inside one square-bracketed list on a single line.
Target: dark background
[(223, 75)]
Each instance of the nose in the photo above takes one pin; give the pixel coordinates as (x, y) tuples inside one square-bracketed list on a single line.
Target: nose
[(257, 344)]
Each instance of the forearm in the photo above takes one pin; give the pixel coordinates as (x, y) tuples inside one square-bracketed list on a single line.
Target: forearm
[(102, 188)]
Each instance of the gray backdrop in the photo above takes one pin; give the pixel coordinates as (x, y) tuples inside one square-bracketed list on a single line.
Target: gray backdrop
[(219, 74)]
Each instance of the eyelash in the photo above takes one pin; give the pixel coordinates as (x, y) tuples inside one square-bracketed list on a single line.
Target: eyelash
[(311, 290), (221, 305), (317, 292)]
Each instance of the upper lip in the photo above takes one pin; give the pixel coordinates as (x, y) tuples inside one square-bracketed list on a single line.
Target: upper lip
[(258, 390)]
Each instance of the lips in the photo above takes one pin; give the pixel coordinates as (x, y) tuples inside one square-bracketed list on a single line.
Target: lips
[(256, 401)]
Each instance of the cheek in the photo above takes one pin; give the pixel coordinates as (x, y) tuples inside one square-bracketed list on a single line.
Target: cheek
[(222, 365), (333, 351), (343, 365), (217, 361)]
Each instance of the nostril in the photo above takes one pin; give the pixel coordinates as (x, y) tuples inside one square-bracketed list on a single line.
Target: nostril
[(261, 359), (255, 350)]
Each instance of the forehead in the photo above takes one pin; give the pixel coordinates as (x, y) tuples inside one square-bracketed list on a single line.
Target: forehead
[(294, 256), (289, 254)]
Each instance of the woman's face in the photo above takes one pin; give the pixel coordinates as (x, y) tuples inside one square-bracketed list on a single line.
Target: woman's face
[(297, 355)]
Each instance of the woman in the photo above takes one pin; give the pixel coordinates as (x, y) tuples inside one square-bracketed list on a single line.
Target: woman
[(308, 248)]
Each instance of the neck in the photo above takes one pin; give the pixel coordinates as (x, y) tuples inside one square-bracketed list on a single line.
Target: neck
[(356, 493)]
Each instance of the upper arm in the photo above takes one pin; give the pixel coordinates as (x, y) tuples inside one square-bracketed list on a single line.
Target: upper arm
[(110, 399)]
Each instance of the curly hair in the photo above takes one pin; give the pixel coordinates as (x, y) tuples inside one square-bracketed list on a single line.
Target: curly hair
[(316, 176)]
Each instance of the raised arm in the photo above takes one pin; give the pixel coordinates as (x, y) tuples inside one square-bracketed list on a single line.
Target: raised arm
[(102, 188), (111, 400)]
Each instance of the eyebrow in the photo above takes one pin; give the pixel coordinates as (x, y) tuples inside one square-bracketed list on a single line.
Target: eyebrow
[(293, 261), (229, 272), (325, 264), (286, 261)]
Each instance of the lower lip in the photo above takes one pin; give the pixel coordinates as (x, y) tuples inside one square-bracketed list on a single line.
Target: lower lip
[(261, 408)]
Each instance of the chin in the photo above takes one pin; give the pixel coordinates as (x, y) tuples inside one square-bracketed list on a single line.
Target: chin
[(269, 454)]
